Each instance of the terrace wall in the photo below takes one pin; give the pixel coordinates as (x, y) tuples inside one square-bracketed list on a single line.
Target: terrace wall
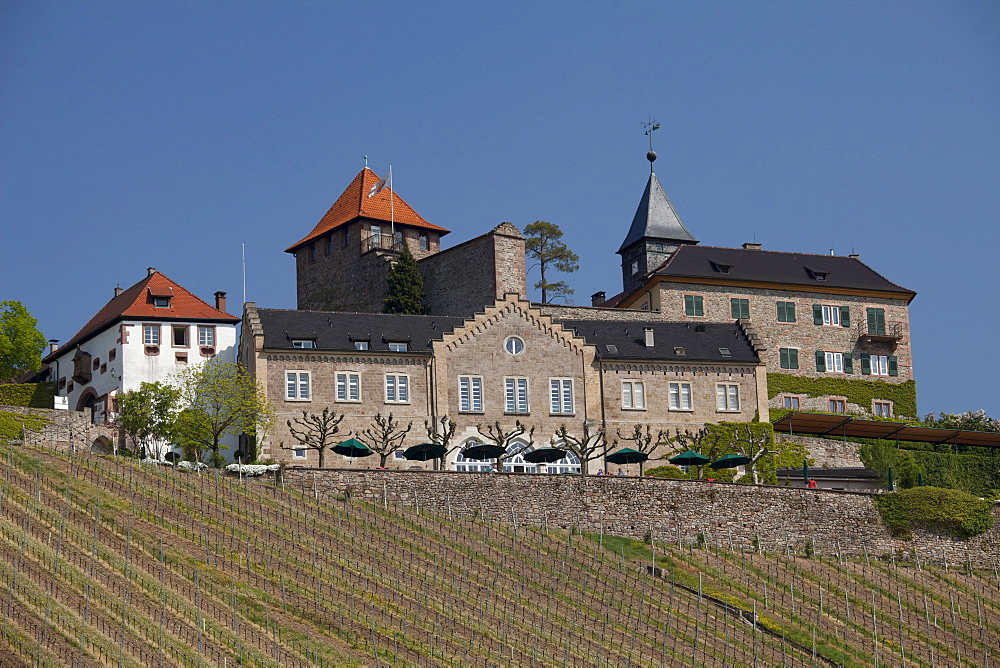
[(670, 510)]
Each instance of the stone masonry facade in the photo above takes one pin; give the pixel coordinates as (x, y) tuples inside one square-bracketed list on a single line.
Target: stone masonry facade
[(68, 429), (731, 515)]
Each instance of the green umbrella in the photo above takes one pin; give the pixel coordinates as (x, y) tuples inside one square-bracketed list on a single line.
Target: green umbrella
[(545, 455), (627, 456), (689, 458), (805, 471), (421, 452), (483, 451), (730, 461), (352, 447)]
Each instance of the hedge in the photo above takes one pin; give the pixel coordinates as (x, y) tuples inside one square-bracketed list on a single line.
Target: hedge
[(975, 474), (12, 425), (29, 395), (861, 392), (950, 512)]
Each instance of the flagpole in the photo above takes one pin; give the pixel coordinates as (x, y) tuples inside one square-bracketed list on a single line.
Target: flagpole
[(243, 252), (392, 209)]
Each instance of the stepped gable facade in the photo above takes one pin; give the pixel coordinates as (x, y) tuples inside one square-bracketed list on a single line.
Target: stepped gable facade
[(341, 265), (506, 363), (145, 333), (816, 316)]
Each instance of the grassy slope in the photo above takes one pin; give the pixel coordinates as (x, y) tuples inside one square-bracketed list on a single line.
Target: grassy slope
[(200, 569)]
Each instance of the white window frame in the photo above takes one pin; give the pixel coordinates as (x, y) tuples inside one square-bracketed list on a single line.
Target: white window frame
[(299, 453), (834, 362), (294, 388), (561, 396), (399, 347), (727, 397), (681, 398), (303, 343), (151, 335), (348, 386), (831, 315), (397, 388), (470, 394), (632, 400), (515, 395), (879, 364), (206, 335), (361, 345), (514, 345)]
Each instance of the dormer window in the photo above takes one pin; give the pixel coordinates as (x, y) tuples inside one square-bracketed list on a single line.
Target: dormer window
[(361, 345), (721, 267), (161, 302), (817, 275), (303, 343), (398, 346)]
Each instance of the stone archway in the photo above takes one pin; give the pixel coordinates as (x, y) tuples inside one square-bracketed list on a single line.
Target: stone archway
[(101, 446)]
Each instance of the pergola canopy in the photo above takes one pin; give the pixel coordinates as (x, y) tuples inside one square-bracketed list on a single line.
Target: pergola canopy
[(819, 424)]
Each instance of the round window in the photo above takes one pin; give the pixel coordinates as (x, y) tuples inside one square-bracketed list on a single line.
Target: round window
[(514, 345)]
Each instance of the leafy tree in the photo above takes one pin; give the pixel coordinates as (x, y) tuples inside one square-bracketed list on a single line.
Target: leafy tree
[(21, 343), (384, 437), (756, 441), (544, 246), (404, 286), (505, 438), (588, 447), (148, 416), (704, 442), (316, 430), (442, 436), (970, 420), (221, 399)]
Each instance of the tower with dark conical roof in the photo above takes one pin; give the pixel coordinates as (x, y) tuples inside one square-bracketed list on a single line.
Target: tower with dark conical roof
[(654, 235)]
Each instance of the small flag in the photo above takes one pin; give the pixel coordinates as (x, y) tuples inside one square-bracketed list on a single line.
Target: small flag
[(380, 186)]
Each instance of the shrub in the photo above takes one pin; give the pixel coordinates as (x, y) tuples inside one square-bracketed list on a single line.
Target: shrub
[(29, 395), (950, 512), (671, 472)]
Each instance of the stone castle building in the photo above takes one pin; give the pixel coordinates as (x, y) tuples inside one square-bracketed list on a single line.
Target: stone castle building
[(698, 334)]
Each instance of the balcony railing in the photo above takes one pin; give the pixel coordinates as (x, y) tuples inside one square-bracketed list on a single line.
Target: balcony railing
[(382, 242), (890, 332)]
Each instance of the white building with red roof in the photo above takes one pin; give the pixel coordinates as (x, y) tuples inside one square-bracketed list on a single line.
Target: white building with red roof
[(146, 333)]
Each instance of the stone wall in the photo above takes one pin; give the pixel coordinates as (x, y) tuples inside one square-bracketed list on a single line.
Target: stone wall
[(68, 429), (464, 279), (669, 510), (827, 452)]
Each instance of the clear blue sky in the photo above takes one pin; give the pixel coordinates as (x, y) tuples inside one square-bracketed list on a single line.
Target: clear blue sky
[(165, 134)]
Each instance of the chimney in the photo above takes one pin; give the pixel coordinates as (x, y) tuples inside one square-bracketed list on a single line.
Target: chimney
[(751, 245), (118, 291), (53, 345), (150, 271), (598, 298), (648, 331), (854, 256), (220, 301)]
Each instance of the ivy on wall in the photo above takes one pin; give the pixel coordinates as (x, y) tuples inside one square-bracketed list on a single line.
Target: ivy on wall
[(860, 392), (950, 512), (975, 474), (13, 425), (29, 395)]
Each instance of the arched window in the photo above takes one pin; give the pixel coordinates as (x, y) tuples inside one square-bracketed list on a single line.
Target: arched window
[(515, 459), (568, 464), (476, 465)]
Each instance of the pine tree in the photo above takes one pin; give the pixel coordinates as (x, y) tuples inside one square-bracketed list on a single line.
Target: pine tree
[(543, 245), (404, 286)]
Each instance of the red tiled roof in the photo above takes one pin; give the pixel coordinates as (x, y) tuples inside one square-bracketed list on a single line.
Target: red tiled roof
[(354, 202), (137, 302)]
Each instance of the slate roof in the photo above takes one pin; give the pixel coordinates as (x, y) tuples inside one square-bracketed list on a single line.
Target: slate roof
[(700, 341), (137, 302), (354, 203), (338, 330), (763, 266), (656, 218)]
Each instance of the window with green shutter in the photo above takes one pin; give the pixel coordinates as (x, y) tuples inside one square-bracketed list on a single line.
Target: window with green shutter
[(789, 358), (786, 311), (893, 366), (845, 316), (694, 305), (848, 363), (876, 321), (817, 314), (821, 360), (866, 365), (740, 308)]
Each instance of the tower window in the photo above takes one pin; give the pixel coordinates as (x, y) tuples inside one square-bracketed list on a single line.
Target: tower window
[(635, 267)]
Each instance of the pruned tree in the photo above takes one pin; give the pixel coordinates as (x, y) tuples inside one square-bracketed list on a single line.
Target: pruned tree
[(643, 441), (505, 438), (221, 399), (587, 447), (704, 441), (404, 286), (543, 244), (385, 436), (21, 343), (756, 444), (148, 416), (442, 435), (315, 431)]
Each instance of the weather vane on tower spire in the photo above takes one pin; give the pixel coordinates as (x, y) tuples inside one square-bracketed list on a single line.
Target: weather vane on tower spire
[(651, 126)]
